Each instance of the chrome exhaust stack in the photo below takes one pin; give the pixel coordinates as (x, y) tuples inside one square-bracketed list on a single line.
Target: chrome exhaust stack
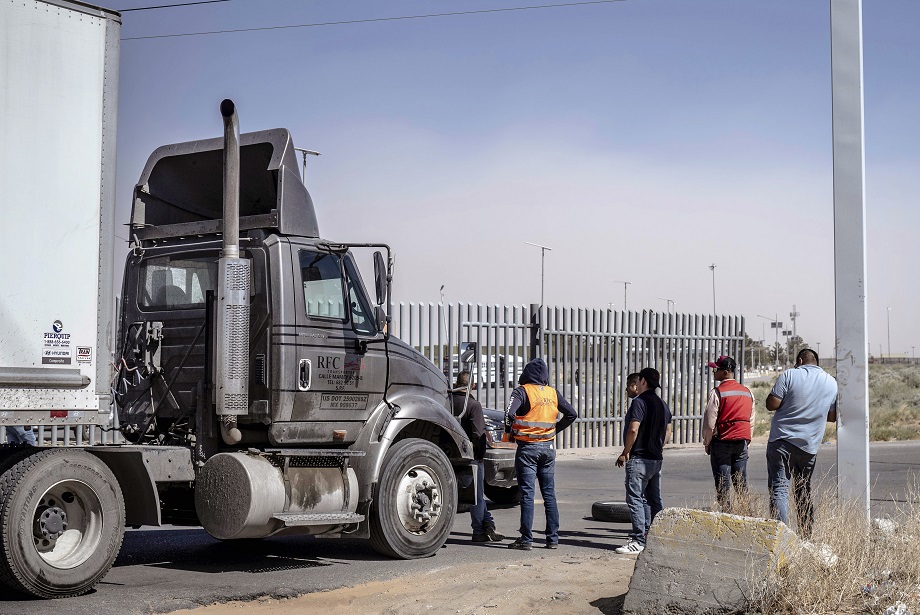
[(231, 362)]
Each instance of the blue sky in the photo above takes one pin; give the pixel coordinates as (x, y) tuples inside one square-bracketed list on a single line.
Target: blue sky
[(642, 140)]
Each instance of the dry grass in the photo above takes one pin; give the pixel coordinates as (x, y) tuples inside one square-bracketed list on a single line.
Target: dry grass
[(873, 570), (894, 404)]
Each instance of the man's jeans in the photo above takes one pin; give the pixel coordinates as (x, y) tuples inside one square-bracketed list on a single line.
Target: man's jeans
[(643, 495), (787, 462), (480, 517), (729, 467), (536, 462), (20, 435)]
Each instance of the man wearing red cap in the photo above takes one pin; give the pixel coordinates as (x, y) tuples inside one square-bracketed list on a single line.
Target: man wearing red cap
[(727, 430)]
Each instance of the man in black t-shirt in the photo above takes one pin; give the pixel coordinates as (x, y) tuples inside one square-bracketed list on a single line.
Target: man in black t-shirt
[(646, 428)]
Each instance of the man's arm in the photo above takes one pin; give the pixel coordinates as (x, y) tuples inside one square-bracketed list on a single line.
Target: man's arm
[(773, 402), (477, 420), (710, 416), (518, 397), (632, 432), (832, 414), (568, 413)]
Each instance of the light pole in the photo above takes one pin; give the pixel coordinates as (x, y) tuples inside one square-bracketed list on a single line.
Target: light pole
[(442, 293), (776, 326), (305, 152), (712, 268), (625, 284), (888, 311), (670, 303), (543, 250)]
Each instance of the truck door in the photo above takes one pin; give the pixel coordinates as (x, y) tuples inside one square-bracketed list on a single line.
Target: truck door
[(341, 377)]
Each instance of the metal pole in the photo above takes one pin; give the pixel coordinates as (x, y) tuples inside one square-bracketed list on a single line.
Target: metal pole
[(712, 268), (850, 252), (305, 153), (888, 312), (625, 284), (543, 250)]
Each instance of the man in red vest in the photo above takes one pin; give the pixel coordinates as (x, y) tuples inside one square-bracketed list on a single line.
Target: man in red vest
[(727, 430), (535, 414)]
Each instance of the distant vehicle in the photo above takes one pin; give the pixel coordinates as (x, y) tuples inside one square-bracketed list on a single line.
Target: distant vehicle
[(491, 371)]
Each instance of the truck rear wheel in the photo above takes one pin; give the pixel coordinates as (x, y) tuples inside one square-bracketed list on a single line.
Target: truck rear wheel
[(62, 520), (413, 509)]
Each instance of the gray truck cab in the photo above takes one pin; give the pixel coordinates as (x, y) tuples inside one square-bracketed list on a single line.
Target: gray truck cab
[(335, 425)]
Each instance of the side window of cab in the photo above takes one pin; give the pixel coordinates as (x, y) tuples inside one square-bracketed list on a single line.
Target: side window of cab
[(323, 291)]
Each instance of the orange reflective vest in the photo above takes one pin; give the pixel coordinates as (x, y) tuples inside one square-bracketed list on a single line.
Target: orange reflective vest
[(539, 424), (735, 408)]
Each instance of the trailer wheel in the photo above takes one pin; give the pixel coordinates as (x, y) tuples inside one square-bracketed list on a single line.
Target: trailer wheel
[(503, 495), (62, 520), (413, 508)]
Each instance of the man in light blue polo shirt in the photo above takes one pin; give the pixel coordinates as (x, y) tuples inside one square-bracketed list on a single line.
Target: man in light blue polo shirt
[(804, 399)]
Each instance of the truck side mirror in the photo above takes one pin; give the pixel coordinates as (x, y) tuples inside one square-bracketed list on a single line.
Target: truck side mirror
[(380, 278), (380, 315), (468, 352)]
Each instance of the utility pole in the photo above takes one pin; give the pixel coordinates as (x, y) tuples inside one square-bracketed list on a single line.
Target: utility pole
[(670, 303), (543, 250), (625, 284), (795, 338), (712, 268), (888, 311)]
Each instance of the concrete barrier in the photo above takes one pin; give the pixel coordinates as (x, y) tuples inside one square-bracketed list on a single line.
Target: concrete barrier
[(701, 562)]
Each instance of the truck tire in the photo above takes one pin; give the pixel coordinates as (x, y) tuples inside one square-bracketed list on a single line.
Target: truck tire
[(614, 512), (62, 520), (413, 508), (503, 495)]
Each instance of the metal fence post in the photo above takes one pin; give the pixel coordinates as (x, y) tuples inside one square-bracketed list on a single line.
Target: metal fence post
[(536, 331)]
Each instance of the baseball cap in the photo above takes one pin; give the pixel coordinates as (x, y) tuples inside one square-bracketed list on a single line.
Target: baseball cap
[(724, 362)]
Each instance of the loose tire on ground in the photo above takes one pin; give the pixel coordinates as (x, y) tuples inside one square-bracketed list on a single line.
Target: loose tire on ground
[(503, 495), (62, 520), (417, 480), (614, 512)]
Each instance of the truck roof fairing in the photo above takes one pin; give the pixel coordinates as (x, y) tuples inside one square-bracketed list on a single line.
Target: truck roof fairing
[(180, 193)]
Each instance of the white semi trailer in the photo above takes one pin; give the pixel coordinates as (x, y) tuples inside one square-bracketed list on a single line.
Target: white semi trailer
[(255, 379)]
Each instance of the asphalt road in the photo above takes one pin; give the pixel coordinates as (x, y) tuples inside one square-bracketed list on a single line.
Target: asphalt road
[(165, 569)]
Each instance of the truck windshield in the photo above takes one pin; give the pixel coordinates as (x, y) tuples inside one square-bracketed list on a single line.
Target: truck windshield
[(177, 282)]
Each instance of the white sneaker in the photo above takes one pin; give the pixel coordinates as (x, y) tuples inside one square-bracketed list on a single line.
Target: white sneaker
[(631, 548)]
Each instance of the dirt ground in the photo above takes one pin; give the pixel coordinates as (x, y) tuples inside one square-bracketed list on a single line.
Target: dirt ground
[(551, 584)]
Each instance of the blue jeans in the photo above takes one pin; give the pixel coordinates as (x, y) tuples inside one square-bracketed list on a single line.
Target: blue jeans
[(480, 517), (20, 435), (787, 462), (729, 467), (643, 495), (536, 462)]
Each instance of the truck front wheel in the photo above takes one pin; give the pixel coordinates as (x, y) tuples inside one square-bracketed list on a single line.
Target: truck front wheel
[(62, 520), (413, 509)]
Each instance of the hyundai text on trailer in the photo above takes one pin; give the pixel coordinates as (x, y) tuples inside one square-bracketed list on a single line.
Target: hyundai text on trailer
[(255, 383)]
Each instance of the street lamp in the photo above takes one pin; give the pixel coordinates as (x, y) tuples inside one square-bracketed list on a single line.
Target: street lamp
[(543, 250), (625, 284), (888, 312), (712, 268), (305, 152), (670, 303), (776, 326)]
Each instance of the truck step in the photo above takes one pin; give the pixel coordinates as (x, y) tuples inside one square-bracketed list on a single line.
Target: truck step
[(301, 519)]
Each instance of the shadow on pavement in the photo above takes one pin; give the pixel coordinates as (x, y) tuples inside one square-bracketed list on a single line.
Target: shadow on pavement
[(610, 606)]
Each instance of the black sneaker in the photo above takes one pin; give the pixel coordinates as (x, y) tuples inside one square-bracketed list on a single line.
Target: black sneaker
[(493, 536), (552, 545), (520, 545), (480, 538)]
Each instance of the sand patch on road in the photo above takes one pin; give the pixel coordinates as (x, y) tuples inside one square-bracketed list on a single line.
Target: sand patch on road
[(538, 583)]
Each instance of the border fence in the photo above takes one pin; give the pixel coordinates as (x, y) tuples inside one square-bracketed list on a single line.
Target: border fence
[(589, 353)]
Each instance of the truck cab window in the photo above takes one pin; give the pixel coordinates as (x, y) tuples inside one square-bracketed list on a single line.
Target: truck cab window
[(177, 282), (322, 285)]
